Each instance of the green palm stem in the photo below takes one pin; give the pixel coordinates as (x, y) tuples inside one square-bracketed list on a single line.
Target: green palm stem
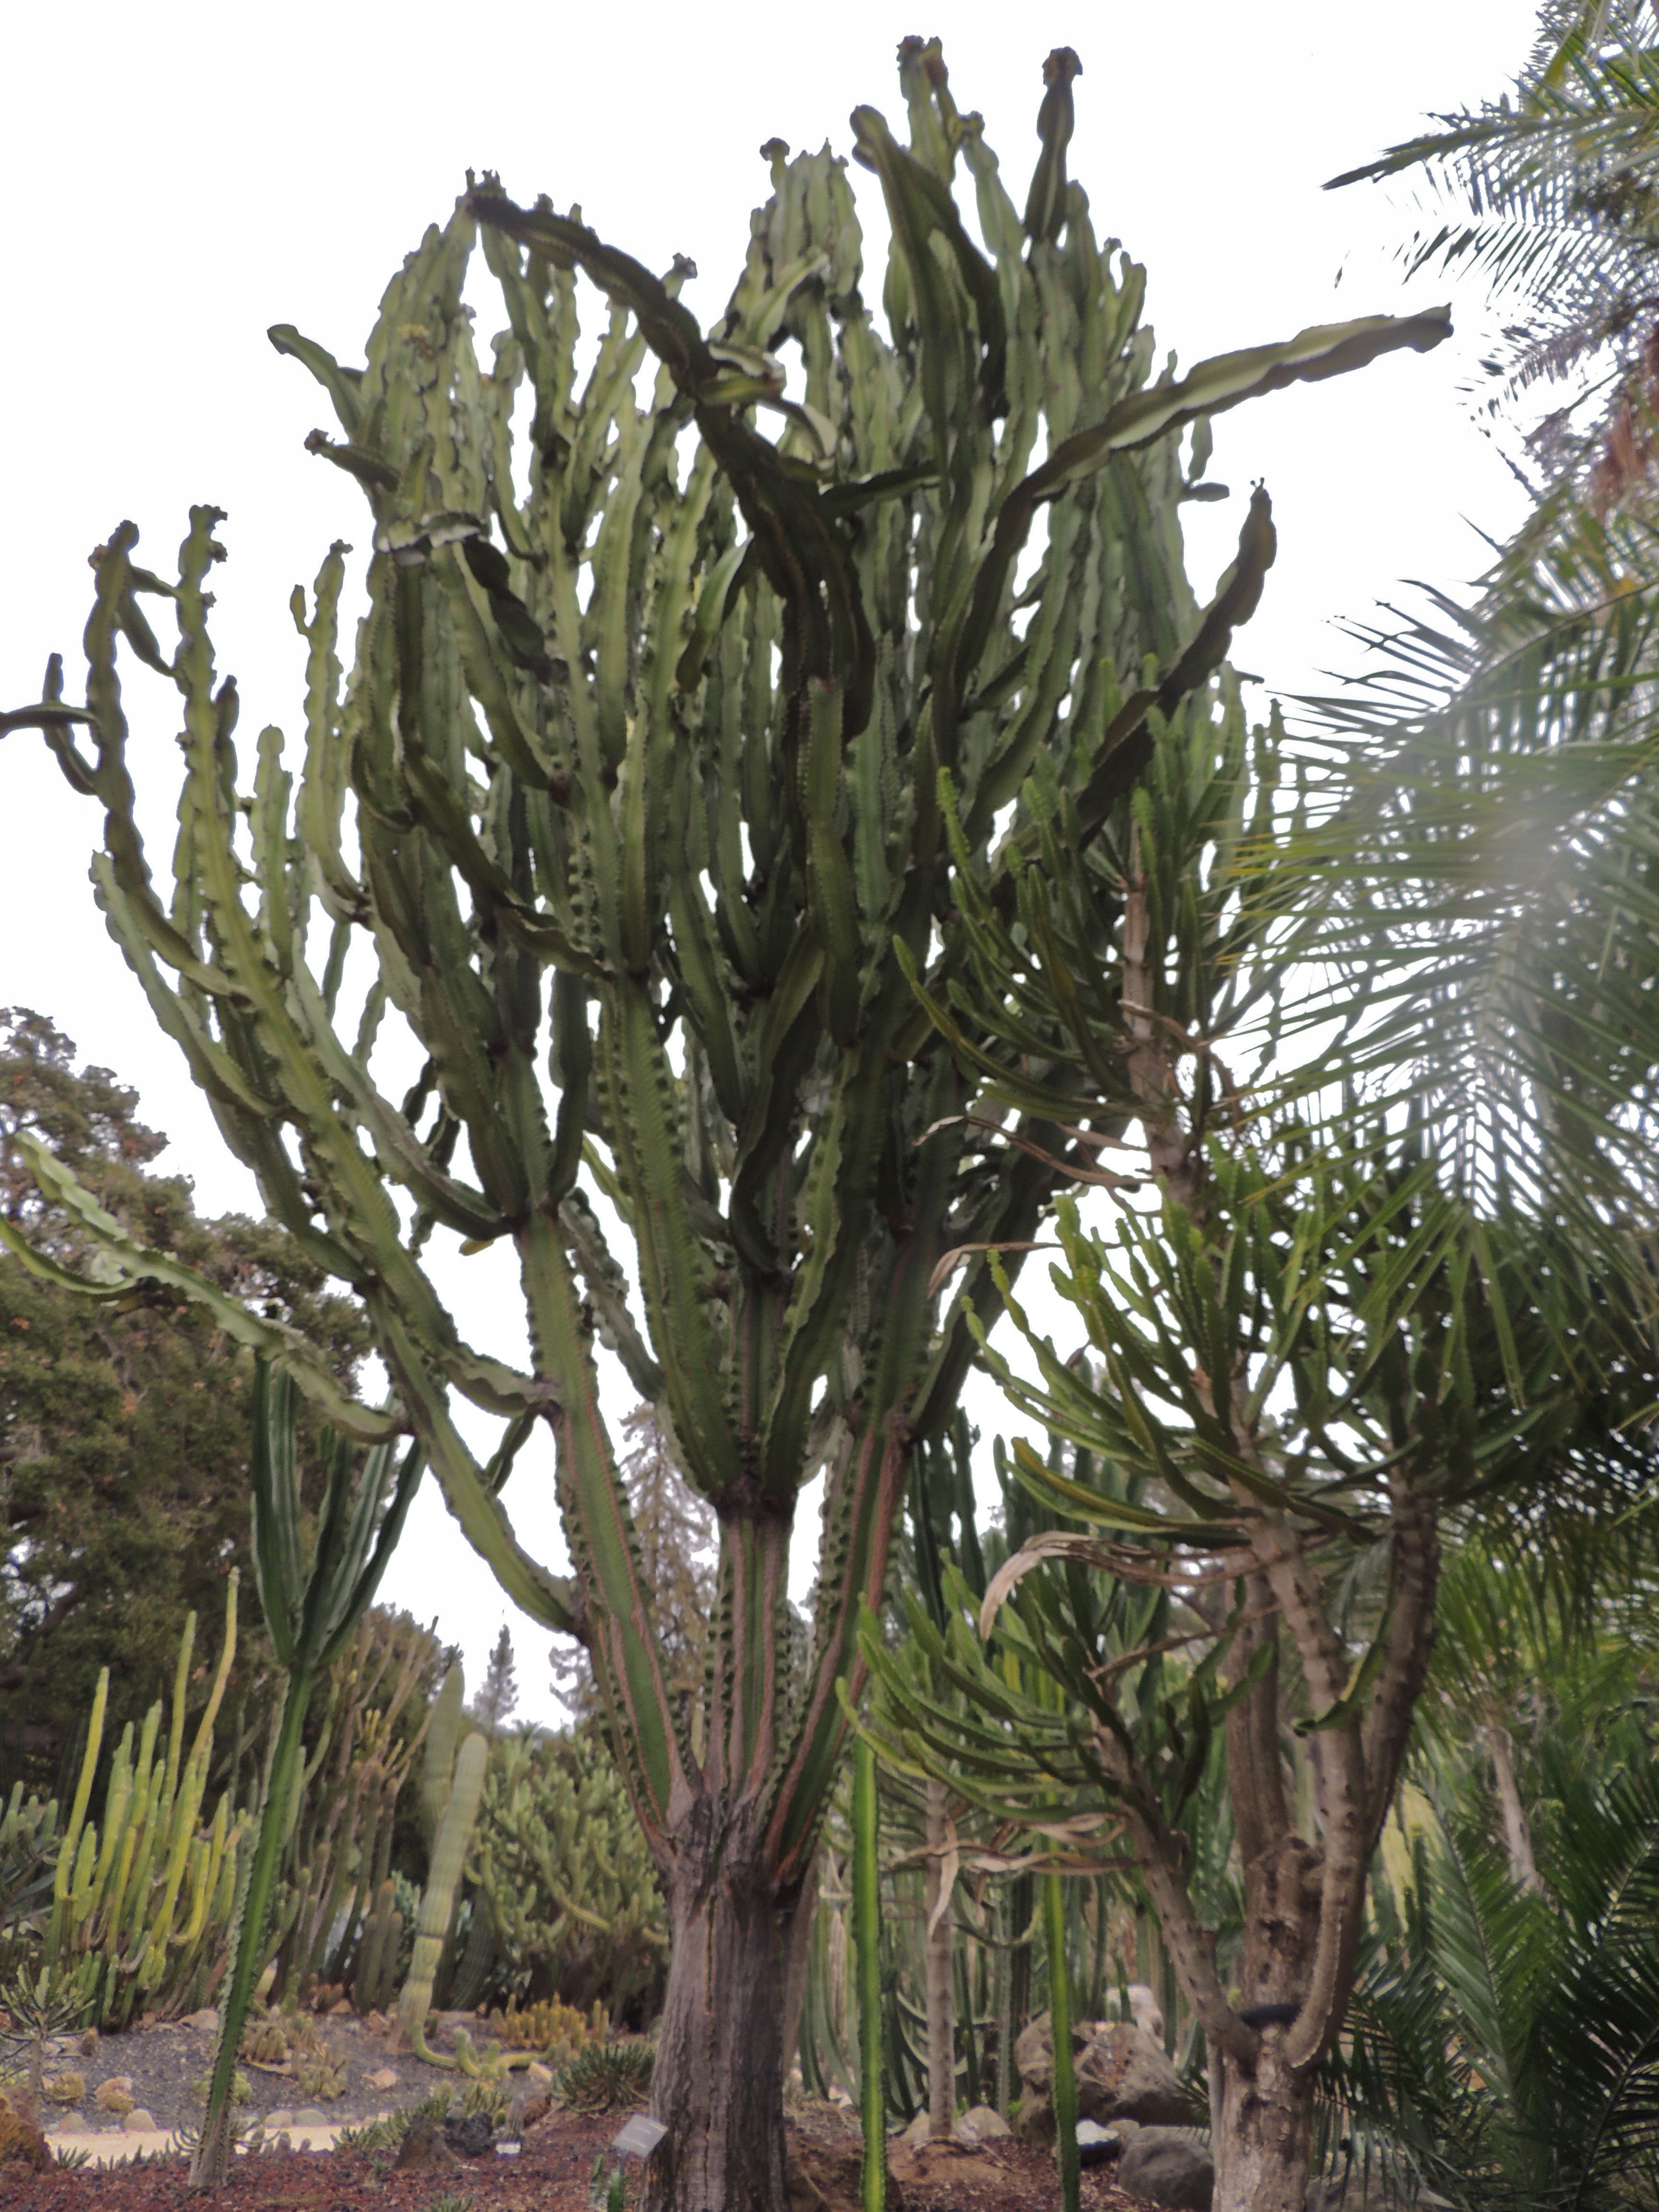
[(1060, 2017), (208, 2168), (866, 1938)]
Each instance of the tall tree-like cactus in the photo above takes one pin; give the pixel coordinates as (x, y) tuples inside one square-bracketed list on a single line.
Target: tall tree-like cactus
[(628, 807)]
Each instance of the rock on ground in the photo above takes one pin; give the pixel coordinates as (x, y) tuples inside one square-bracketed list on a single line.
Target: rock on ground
[(1121, 2075), (1166, 2166), (983, 2124)]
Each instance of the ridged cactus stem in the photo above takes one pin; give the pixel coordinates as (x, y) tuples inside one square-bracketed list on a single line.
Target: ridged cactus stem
[(449, 1851), (1059, 2018), (211, 2161), (866, 1938), (67, 1850), (443, 1737)]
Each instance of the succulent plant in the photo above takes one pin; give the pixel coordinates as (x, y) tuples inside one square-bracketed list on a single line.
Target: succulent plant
[(636, 785)]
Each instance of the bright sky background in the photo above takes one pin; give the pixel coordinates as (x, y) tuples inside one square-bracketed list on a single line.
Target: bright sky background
[(180, 179)]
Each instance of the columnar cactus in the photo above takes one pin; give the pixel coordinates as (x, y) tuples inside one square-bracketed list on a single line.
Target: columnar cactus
[(629, 811), (445, 1861)]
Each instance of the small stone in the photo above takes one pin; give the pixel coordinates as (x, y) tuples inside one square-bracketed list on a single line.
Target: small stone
[(384, 2077), (920, 2130), (309, 2116), (138, 2121), (276, 2121), (341, 2011), (538, 2073), (983, 2124), (206, 2021)]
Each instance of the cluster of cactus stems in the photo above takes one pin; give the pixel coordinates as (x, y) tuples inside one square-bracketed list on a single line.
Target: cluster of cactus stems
[(571, 1893), (339, 1854), (634, 810), (142, 1897), (374, 1969)]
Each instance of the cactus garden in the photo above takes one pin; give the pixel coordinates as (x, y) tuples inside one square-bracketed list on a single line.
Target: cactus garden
[(775, 922)]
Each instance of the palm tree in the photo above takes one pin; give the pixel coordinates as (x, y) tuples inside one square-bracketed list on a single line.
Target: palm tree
[(1554, 198)]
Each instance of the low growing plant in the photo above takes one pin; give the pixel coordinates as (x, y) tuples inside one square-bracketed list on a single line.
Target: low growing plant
[(605, 2077)]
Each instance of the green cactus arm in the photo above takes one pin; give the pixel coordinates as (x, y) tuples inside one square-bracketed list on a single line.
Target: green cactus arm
[(482, 1517), (619, 1630), (135, 1263), (443, 1740), (1225, 381), (72, 1843), (644, 1118), (607, 1289)]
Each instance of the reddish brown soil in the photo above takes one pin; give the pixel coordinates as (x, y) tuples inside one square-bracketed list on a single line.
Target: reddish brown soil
[(554, 2173)]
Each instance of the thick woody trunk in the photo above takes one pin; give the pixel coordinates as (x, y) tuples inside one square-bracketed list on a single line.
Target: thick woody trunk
[(717, 2088), (1262, 2134), (1261, 2147)]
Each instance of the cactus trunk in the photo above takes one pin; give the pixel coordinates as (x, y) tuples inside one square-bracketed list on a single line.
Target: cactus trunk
[(719, 2046), (1059, 2018)]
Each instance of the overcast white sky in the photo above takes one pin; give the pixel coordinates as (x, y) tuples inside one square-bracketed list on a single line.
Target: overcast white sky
[(180, 179)]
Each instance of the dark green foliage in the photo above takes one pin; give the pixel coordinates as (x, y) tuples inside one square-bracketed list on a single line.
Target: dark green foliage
[(1507, 2041), (124, 1458)]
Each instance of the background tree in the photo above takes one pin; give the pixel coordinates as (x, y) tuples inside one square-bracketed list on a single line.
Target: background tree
[(124, 1431), (659, 769), (498, 1693), (1551, 193), (1314, 1355), (678, 1553)]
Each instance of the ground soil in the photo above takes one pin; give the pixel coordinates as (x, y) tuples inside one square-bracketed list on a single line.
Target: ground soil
[(554, 2172)]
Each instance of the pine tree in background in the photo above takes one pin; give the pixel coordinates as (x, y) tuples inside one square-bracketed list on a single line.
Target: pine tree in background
[(498, 1699), (677, 1538)]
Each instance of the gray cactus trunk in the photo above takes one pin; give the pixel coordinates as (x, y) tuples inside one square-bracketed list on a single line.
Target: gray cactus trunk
[(1263, 2133), (717, 2088), (1262, 2145)]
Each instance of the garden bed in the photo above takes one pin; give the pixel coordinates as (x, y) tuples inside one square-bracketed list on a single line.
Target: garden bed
[(164, 2065), (554, 2172)]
